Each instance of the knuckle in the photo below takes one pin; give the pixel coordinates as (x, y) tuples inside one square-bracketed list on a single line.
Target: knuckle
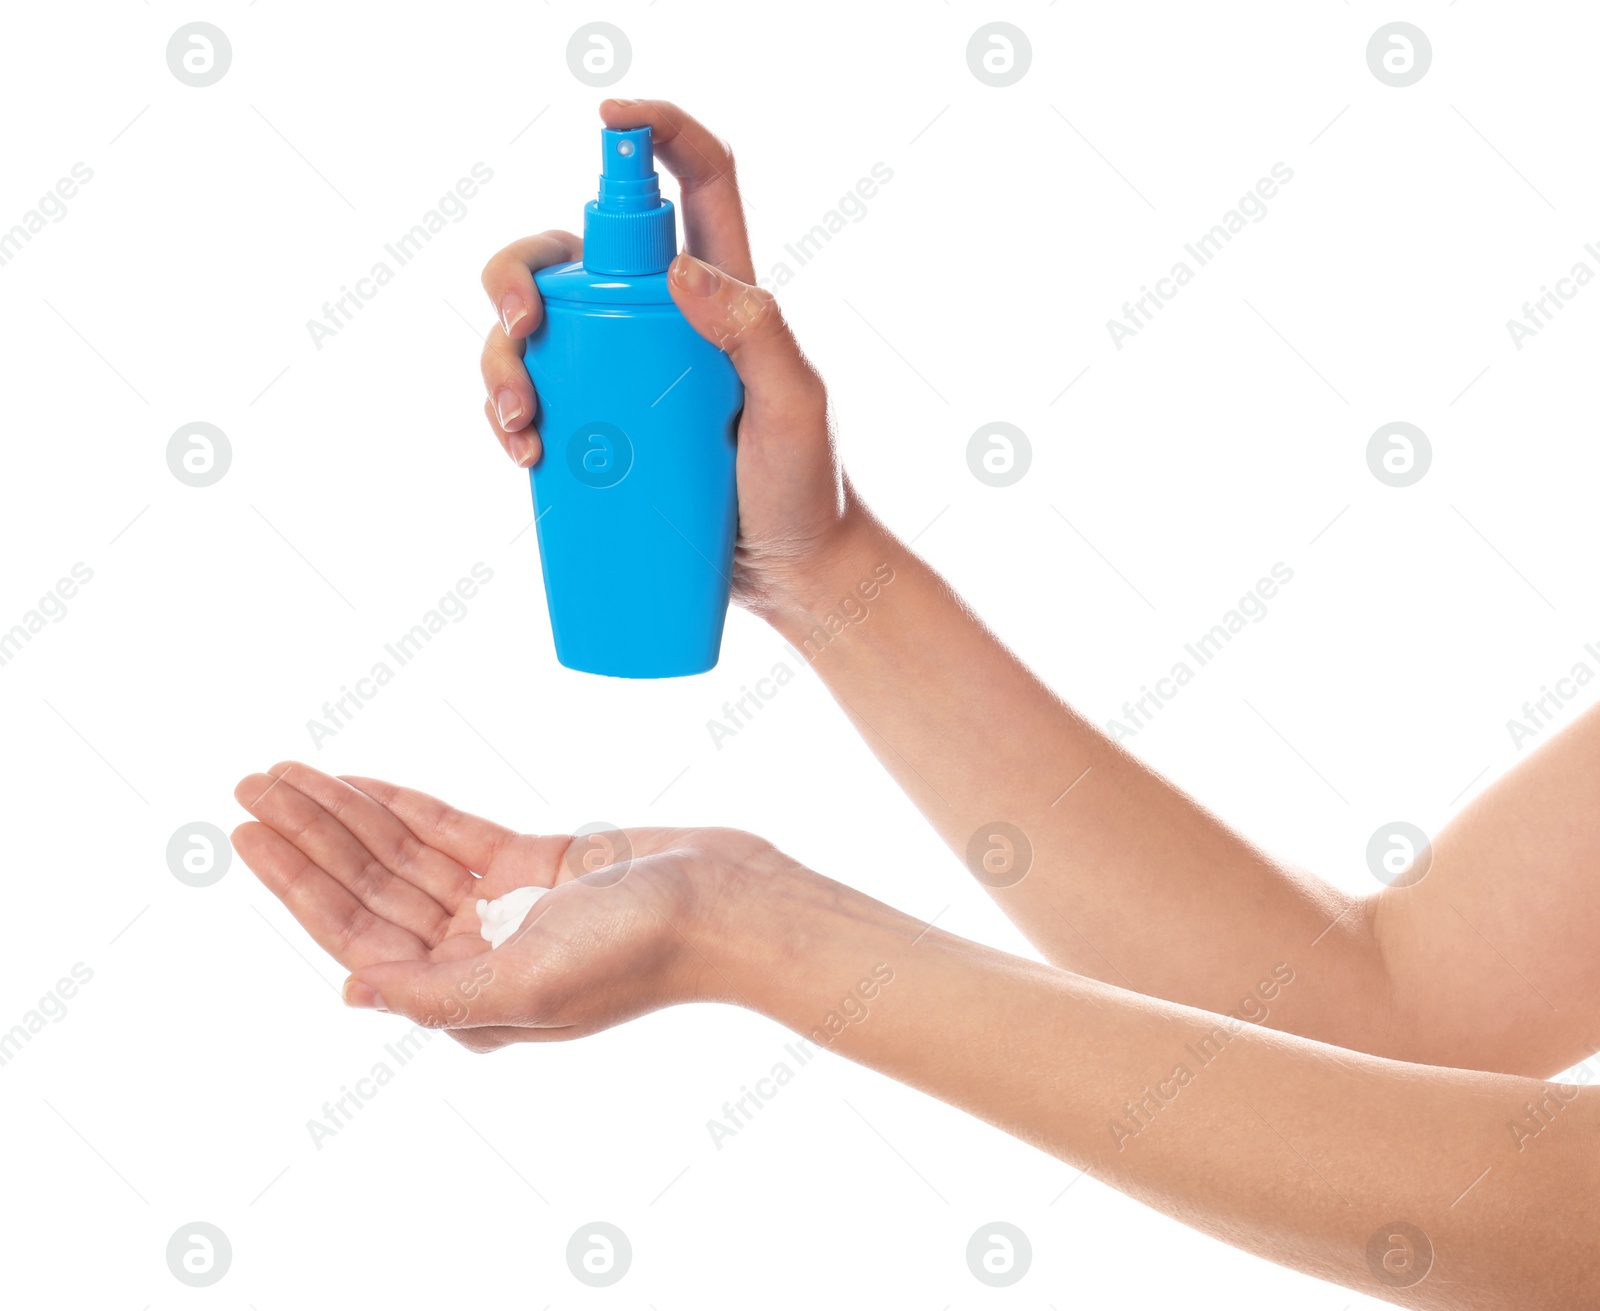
[(446, 826), (752, 314), (371, 880), (437, 930), (349, 927), (489, 360), (496, 272), (406, 853)]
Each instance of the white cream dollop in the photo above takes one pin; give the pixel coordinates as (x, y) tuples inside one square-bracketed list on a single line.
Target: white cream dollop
[(499, 919)]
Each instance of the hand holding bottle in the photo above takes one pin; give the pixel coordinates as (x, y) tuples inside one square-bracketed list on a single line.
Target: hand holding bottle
[(795, 504)]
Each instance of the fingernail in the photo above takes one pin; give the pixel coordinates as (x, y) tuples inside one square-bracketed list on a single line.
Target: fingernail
[(522, 449), (697, 278), (617, 100), (507, 406), (363, 996), (513, 309)]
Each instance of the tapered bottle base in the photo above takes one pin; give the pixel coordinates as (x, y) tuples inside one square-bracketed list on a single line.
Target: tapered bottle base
[(636, 667)]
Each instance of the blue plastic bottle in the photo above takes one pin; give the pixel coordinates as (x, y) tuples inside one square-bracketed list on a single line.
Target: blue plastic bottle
[(634, 493)]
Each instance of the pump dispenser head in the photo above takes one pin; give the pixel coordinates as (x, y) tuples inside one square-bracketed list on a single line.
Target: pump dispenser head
[(630, 230)]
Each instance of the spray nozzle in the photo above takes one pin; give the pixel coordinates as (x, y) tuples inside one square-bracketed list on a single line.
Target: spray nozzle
[(626, 154), (629, 230)]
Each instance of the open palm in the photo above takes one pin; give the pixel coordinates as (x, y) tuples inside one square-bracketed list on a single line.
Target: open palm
[(387, 880)]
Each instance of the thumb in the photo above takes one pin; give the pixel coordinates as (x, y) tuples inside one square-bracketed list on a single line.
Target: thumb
[(746, 322), (460, 994)]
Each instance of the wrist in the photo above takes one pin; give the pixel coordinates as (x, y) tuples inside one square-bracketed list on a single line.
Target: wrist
[(840, 581), (751, 905), (796, 946)]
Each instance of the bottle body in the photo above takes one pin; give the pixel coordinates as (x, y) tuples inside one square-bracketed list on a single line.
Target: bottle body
[(634, 494)]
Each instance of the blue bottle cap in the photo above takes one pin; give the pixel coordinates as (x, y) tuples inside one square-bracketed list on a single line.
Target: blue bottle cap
[(630, 230)]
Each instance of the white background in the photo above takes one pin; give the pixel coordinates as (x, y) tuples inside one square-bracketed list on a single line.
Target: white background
[(1227, 436)]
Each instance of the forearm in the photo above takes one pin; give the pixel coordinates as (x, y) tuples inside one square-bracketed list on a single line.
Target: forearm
[(1290, 1149), (1117, 874)]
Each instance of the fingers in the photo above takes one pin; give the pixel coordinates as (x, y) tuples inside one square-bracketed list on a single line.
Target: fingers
[(512, 402), (745, 321), (328, 845), (713, 215), (467, 839), (377, 829), (508, 279), (339, 923)]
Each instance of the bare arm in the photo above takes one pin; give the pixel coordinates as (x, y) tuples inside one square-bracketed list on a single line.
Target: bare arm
[(1493, 949), (1407, 1181), (1487, 962), (1122, 877)]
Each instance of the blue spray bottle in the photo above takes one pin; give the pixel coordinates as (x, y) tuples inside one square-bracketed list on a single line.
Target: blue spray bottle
[(634, 494)]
